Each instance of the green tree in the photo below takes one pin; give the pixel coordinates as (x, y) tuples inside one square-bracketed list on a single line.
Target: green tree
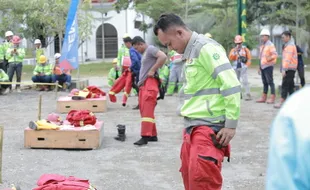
[(41, 18)]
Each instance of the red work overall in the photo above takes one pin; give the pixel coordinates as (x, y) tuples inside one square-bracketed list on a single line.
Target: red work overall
[(201, 160), (123, 82), (147, 102)]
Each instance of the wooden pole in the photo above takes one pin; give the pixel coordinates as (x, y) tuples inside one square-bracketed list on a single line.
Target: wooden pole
[(56, 89), (1, 147), (40, 105)]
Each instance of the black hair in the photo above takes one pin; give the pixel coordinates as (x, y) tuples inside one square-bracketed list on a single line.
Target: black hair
[(166, 21), (127, 39), (287, 33), (137, 39)]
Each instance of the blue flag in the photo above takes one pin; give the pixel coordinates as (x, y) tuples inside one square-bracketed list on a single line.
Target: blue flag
[(69, 53)]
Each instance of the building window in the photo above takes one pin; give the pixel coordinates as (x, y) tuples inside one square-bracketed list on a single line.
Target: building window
[(137, 24)]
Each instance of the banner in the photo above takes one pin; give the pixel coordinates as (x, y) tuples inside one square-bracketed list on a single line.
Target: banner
[(242, 25), (69, 53)]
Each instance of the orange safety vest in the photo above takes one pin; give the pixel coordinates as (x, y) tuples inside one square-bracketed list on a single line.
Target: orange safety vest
[(268, 55), (289, 57), (58, 71), (233, 55)]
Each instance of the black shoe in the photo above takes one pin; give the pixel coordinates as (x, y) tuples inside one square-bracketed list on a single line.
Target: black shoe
[(153, 139), (142, 141), (121, 136), (136, 108), (123, 104)]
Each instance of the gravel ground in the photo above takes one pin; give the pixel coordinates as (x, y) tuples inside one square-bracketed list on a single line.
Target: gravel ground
[(121, 165)]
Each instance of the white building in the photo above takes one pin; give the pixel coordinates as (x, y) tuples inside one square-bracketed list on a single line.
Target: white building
[(115, 26)]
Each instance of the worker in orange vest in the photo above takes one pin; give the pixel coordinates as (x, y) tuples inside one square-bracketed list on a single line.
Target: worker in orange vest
[(289, 66), (268, 58), (241, 57)]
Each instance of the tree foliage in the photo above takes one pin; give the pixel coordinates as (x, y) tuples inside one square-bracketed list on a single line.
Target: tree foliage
[(40, 18)]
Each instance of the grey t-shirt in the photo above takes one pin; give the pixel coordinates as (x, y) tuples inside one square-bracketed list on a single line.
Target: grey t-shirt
[(148, 61)]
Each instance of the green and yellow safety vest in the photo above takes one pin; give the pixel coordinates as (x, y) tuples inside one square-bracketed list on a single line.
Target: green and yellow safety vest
[(39, 52), (164, 73), (46, 69), (113, 75), (122, 52), (15, 58), (211, 91), (3, 76), (3, 49)]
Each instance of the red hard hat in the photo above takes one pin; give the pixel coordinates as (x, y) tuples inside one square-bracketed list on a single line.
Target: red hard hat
[(16, 40), (238, 39)]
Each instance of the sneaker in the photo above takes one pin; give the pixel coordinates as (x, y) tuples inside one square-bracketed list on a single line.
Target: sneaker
[(248, 97), (5, 91), (18, 90)]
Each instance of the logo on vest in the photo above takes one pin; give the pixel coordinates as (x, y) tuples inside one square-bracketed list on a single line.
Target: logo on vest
[(216, 56), (189, 61)]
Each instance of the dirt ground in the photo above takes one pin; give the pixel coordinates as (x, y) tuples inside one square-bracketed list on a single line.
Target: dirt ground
[(121, 165)]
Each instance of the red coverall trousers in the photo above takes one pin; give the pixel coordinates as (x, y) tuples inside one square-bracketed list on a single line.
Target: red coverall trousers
[(201, 160), (147, 102), (123, 82)]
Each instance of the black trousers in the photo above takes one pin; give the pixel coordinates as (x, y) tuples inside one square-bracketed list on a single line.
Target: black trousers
[(288, 84), (301, 73), (135, 80), (267, 78), (4, 65)]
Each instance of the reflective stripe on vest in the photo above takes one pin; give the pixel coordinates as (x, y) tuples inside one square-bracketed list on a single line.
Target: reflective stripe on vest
[(112, 93), (289, 57), (148, 119), (267, 50)]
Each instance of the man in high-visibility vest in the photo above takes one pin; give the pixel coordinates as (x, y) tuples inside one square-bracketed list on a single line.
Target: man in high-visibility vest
[(152, 60), (3, 49), (114, 73), (289, 66), (123, 52), (175, 72), (268, 58), (4, 88), (241, 60), (43, 73), (38, 50), (15, 55), (210, 99), (125, 81)]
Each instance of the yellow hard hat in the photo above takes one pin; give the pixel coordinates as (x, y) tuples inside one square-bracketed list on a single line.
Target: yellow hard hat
[(114, 60), (42, 59), (208, 35), (126, 36)]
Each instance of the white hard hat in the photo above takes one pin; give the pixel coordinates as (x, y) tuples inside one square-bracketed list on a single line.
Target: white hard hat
[(265, 32), (37, 41), (57, 55), (8, 33)]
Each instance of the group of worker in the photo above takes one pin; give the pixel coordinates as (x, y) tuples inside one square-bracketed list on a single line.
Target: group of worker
[(11, 61), (291, 61), (169, 74), (45, 72), (210, 91)]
